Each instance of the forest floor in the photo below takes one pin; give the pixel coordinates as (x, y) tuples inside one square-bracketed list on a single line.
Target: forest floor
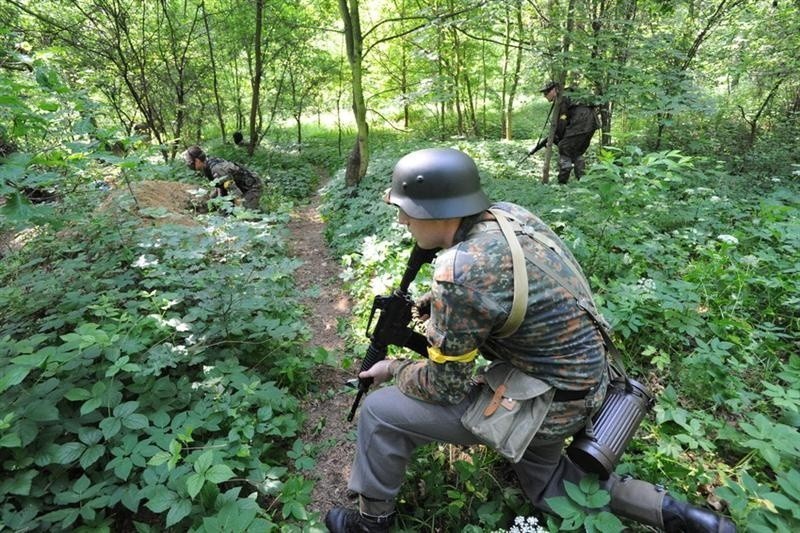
[(326, 427)]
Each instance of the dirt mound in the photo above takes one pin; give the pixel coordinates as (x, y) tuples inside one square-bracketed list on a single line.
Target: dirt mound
[(158, 202)]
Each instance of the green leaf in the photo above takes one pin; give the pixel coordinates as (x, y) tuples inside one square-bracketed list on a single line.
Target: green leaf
[(161, 500), (294, 509), (160, 419), (159, 458), (770, 455), (203, 462), (69, 452), (131, 497), (81, 484), (34, 360), (89, 435), (305, 463), (572, 523), (91, 455), (563, 506), (123, 468), (77, 394), (599, 499), (780, 501), (790, 483), (194, 484), (219, 473), (41, 411), (125, 409), (110, 426), (10, 440), (178, 512), (575, 493), (90, 405), (608, 523), (135, 421), (66, 516), (19, 484), (589, 484)]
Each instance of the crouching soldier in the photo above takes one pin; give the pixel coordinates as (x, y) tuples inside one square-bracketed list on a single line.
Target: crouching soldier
[(226, 176)]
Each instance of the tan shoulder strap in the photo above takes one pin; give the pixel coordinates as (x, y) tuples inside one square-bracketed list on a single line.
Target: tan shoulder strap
[(520, 303)]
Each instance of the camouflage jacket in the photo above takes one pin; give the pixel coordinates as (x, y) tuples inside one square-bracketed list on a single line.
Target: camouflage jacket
[(472, 294), (218, 171)]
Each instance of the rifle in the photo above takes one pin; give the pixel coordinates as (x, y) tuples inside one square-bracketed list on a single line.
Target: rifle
[(392, 325), (542, 141)]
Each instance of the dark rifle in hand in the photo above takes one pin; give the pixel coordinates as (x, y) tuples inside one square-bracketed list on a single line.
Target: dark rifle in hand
[(393, 324), (542, 138)]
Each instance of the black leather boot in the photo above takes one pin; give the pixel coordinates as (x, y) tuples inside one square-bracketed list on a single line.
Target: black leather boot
[(681, 517), (341, 520)]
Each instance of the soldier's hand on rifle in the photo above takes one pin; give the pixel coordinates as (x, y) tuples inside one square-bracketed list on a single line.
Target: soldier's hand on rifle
[(423, 307), (538, 147), (379, 372)]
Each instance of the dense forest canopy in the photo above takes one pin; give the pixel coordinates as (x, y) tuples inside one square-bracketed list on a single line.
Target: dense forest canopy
[(152, 362), (707, 76)]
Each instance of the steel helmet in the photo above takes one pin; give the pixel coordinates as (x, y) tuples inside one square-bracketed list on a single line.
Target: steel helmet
[(437, 183), (548, 86)]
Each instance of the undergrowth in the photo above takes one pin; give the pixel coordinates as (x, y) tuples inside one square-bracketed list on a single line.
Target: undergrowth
[(697, 271)]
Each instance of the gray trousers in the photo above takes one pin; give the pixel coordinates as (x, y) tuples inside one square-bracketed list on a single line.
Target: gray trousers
[(392, 425)]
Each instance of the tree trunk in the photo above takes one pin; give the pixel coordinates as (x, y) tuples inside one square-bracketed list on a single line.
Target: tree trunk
[(358, 160), (566, 43), (512, 90), (213, 72), (255, 83)]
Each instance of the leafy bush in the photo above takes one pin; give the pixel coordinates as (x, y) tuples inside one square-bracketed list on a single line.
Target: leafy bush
[(149, 378)]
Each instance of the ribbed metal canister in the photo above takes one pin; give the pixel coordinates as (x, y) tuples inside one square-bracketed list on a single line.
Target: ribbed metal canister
[(614, 425)]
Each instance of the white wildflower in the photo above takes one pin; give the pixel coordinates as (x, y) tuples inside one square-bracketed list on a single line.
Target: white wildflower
[(750, 260), (728, 239), (144, 262), (646, 285), (523, 524)]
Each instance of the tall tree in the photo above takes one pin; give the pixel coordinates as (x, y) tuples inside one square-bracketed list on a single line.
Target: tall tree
[(358, 160)]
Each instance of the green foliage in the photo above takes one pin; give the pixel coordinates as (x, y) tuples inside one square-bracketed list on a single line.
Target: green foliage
[(582, 508), (145, 370), (762, 508), (694, 267), (451, 487)]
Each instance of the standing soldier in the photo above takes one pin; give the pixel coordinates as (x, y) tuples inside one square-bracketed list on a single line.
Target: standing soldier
[(440, 200), (575, 125), (221, 172)]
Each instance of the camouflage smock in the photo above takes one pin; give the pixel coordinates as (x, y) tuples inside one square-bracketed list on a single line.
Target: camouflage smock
[(219, 170), (472, 294)]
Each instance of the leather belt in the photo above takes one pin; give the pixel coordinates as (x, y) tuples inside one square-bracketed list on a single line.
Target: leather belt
[(570, 395)]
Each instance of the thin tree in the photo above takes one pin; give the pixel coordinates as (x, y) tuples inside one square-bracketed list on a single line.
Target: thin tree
[(255, 81), (358, 160), (213, 71)]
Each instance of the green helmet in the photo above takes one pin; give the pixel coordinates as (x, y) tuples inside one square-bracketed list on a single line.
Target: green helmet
[(437, 183)]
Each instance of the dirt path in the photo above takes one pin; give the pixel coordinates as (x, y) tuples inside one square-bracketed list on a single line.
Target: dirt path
[(327, 408)]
